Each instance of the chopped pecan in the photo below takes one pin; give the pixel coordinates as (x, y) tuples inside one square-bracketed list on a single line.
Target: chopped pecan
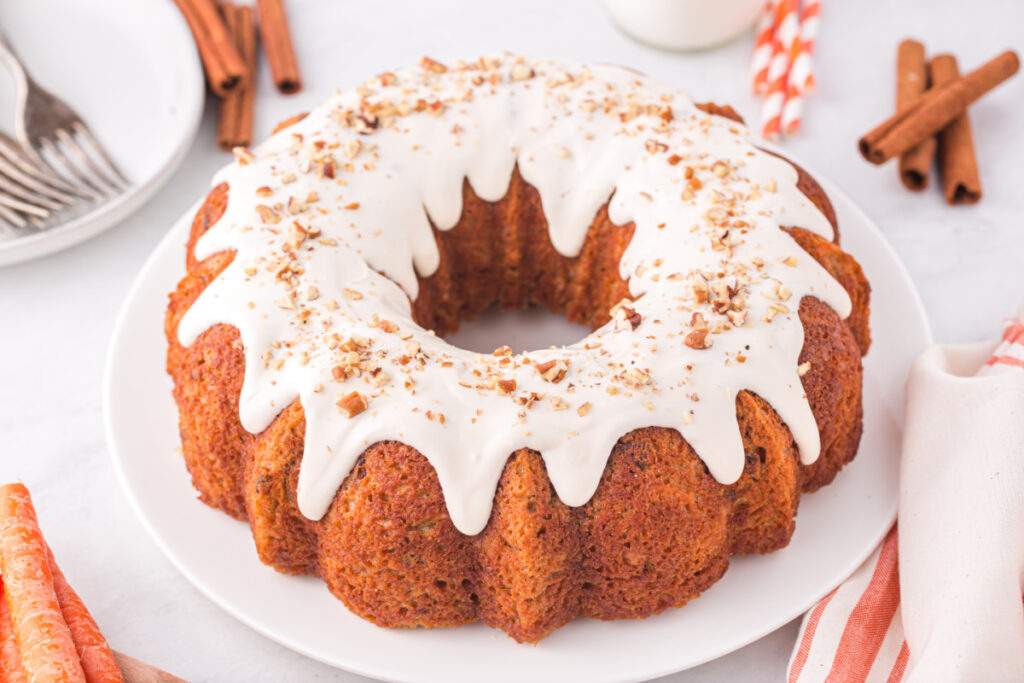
[(698, 339), (352, 404), (553, 371)]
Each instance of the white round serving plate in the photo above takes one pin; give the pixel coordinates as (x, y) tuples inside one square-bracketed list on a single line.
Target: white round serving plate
[(131, 71), (837, 527)]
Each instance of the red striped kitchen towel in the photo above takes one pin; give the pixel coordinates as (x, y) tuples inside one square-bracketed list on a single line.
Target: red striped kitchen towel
[(1010, 352), (958, 555)]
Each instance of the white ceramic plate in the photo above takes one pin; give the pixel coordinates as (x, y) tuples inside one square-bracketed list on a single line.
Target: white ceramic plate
[(837, 527), (130, 70)]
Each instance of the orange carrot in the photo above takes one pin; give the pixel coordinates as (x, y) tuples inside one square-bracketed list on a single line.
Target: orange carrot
[(97, 659), (10, 660), (44, 641)]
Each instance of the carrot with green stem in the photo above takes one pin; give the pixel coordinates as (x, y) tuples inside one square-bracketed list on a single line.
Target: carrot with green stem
[(45, 644)]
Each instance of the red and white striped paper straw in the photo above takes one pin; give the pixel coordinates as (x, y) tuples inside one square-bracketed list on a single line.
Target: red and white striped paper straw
[(801, 77), (783, 42), (762, 55)]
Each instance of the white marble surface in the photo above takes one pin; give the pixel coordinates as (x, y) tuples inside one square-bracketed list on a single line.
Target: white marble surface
[(56, 314)]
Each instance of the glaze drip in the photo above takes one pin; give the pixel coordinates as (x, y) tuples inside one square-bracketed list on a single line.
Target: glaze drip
[(331, 220)]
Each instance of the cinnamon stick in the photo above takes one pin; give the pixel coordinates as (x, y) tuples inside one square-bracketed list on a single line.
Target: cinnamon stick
[(937, 108), (234, 128), (911, 82), (224, 67), (961, 183), (277, 41)]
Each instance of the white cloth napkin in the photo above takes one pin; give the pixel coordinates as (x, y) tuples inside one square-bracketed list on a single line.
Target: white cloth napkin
[(944, 602)]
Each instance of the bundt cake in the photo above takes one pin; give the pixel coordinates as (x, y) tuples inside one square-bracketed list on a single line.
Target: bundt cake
[(431, 486)]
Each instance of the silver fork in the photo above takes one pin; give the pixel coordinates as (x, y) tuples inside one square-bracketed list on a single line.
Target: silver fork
[(26, 198), (58, 140), (21, 177)]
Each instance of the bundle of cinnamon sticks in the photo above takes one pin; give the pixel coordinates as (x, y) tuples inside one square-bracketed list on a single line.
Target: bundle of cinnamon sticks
[(225, 35), (931, 120)]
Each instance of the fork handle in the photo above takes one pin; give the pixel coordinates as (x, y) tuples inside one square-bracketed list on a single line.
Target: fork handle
[(7, 48), (4, 42), (14, 64)]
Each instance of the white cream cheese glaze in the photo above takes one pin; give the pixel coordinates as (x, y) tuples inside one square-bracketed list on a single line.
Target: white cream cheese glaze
[(331, 220)]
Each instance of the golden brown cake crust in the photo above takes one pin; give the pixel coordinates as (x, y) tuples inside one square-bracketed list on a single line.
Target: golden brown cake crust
[(658, 531)]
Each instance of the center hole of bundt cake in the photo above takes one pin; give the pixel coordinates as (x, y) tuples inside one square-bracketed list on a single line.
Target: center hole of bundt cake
[(526, 329), (501, 282)]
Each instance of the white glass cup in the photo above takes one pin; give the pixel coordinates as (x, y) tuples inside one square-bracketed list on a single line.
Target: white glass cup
[(683, 24)]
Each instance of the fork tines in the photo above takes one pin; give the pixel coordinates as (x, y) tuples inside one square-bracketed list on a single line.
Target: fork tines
[(57, 164), (59, 174), (76, 156), (28, 196)]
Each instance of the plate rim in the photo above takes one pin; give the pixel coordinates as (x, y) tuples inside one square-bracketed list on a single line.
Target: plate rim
[(382, 673), (107, 215)]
